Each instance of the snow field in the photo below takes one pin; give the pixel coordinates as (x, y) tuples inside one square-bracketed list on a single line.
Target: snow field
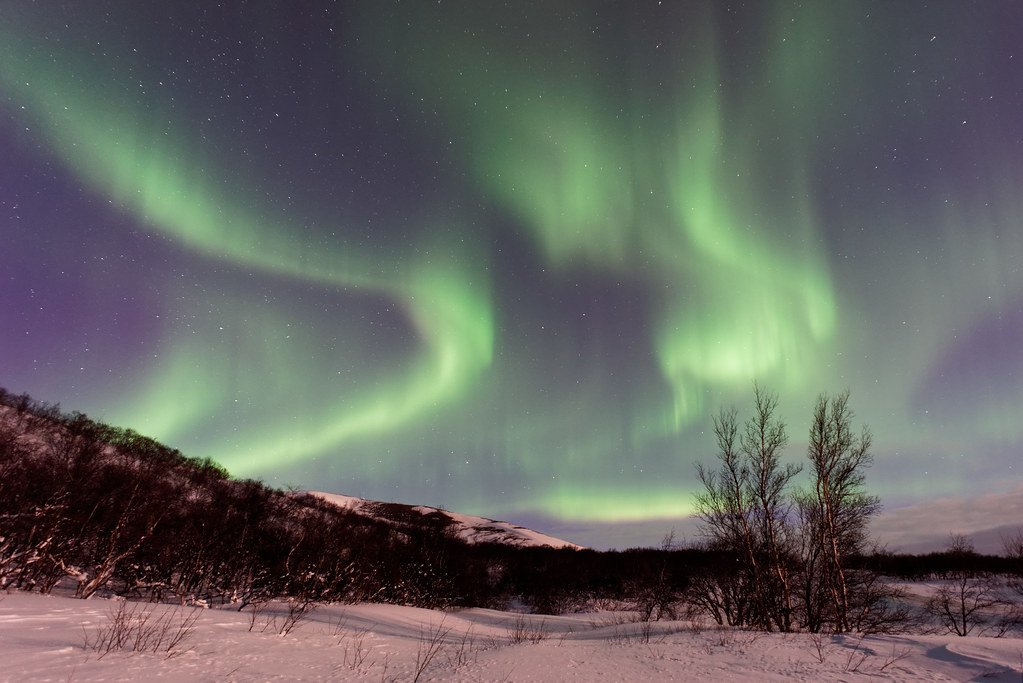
[(49, 638)]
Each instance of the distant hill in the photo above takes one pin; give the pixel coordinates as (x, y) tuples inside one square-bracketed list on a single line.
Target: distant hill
[(469, 528), (95, 509)]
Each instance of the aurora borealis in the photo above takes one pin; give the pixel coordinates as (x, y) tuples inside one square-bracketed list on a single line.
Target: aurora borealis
[(509, 258)]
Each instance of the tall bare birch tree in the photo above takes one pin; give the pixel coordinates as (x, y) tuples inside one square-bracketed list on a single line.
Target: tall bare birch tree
[(745, 505), (841, 508)]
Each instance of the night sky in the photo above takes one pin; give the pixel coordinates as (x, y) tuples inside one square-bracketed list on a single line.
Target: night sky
[(509, 258)]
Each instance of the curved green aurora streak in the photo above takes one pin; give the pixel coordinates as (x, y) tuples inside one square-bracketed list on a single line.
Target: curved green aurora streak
[(143, 166)]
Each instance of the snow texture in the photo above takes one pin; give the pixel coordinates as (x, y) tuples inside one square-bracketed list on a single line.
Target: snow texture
[(44, 639)]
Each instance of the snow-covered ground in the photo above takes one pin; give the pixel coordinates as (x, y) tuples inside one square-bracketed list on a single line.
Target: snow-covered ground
[(45, 639)]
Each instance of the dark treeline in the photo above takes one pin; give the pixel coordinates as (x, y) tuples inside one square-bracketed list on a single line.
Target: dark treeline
[(104, 509), (937, 565), (110, 510)]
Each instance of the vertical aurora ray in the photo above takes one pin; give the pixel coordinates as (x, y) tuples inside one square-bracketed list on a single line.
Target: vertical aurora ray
[(664, 190), (770, 305)]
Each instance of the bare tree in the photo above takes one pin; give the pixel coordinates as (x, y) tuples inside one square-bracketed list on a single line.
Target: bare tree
[(786, 554), (1013, 548), (745, 506), (724, 505), (970, 600), (657, 595), (838, 507), (762, 442)]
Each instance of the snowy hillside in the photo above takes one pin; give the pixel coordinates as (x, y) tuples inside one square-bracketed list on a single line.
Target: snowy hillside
[(469, 528), (55, 639)]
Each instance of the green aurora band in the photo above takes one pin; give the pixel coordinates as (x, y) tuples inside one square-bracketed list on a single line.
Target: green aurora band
[(147, 169)]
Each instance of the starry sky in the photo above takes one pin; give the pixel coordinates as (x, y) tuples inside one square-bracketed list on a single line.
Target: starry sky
[(509, 258)]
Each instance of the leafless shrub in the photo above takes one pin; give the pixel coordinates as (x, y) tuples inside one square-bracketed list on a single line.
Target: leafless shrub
[(895, 656), (617, 636), (1013, 549), (298, 612), (338, 628), (258, 608), (970, 601), (466, 651), (603, 604), (734, 639), (527, 631), (723, 637), (645, 632), (431, 643), (1011, 619), (694, 626), (857, 656), (282, 625), (817, 640), (355, 651), (690, 617), (138, 628), (383, 671)]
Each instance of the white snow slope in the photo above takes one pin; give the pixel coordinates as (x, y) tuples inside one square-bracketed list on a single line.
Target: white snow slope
[(468, 527), (45, 639)]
